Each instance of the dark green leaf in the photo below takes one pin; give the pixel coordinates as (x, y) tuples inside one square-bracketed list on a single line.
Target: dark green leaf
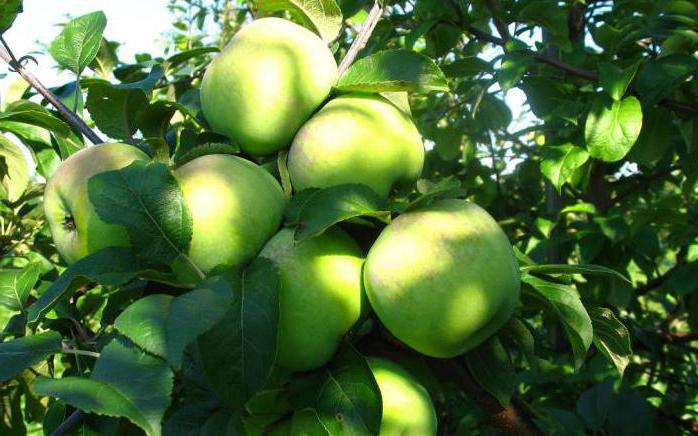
[(321, 16), (393, 70), (630, 415), (467, 67), (491, 367), (344, 394), (550, 15), (145, 198), (164, 325), (125, 382), (565, 302), (594, 403), (146, 84), (327, 207), (78, 43), (575, 269), (612, 128), (611, 337), (239, 352), (183, 56), (660, 77), (205, 149), (21, 353), (513, 68), (115, 110)]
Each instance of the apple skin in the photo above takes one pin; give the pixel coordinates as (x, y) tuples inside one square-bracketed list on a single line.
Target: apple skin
[(407, 407), (66, 197), (357, 138), (266, 83), (320, 297), (236, 206), (443, 278)]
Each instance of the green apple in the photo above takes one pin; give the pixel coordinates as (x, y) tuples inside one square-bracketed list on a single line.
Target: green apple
[(357, 138), (320, 297), (236, 206), (443, 278), (76, 228), (266, 83), (407, 407)]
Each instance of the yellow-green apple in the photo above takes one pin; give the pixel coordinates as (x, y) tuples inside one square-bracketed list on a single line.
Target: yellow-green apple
[(357, 138), (76, 228), (235, 205), (320, 297), (407, 407), (266, 83), (442, 278)]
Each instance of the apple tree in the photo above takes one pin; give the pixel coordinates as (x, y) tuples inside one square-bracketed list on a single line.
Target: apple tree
[(355, 217)]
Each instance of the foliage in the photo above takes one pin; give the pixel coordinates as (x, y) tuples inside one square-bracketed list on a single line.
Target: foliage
[(594, 179)]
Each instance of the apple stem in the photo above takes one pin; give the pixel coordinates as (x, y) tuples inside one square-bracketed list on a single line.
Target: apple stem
[(359, 43), (7, 55)]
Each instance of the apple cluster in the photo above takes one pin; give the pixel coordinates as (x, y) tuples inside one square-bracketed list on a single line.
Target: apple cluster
[(441, 278)]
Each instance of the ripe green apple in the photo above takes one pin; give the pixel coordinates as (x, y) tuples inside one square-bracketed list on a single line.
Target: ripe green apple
[(407, 407), (236, 206), (266, 83), (357, 138), (74, 224), (320, 297), (443, 278)]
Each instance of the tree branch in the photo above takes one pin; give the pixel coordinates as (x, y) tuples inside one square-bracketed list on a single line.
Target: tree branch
[(674, 105), (362, 38), (70, 116), (69, 424), (656, 282), (500, 24)]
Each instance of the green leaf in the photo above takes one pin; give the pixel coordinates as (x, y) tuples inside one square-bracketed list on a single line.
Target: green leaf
[(552, 17), (321, 16), (655, 139), (115, 110), (147, 84), (16, 284), (616, 80), (393, 70), (125, 382), (343, 393), (327, 207), (593, 404), (238, 353), (14, 170), (145, 198), (611, 337), (111, 266), (78, 43), (491, 367), (468, 66), (9, 9), (21, 353), (28, 112), (513, 68), (449, 187), (559, 163), (565, 302), (183, 56), (203, 150), (612, 129), (660, 77), (575, 269), (164, 325), (106, 59)]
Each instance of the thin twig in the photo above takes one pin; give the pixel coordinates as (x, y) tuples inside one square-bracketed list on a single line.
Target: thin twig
[(362, 38), (68, 350), (674, 105), (69, 424), (70, 116)]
